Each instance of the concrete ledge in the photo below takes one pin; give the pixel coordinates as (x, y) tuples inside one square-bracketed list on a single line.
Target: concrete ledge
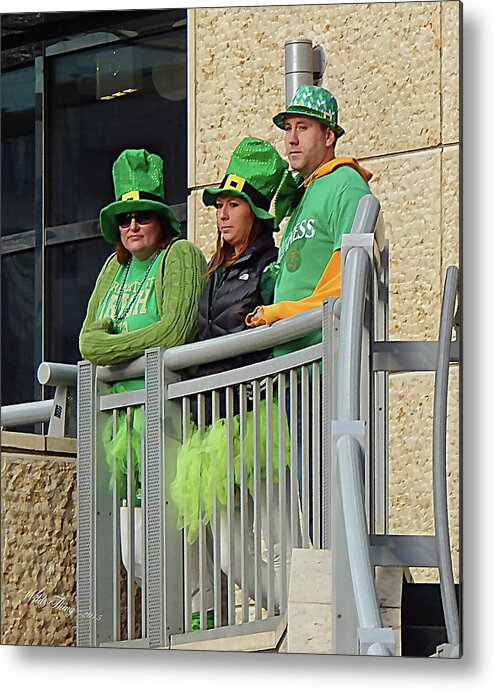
[(15, 441), (309, 602), (248, 637), (389, 586)]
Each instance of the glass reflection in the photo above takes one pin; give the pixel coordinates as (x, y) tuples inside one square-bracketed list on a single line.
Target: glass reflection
[(18, 314), (72, 270), (18, 150), (104, 100)]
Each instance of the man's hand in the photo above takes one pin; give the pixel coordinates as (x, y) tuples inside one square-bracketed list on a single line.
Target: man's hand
[(255, 318)]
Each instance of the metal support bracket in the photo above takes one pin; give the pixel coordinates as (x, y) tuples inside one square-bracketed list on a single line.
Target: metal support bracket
[(356, 428), (58, 415), (448, 651), (381, 636), (364, 240)]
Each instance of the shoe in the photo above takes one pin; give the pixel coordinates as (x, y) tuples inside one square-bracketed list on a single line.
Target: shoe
[(196, 620)]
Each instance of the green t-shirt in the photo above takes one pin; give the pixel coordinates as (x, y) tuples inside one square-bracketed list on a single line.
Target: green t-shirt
[(131, 303), (314, 231)]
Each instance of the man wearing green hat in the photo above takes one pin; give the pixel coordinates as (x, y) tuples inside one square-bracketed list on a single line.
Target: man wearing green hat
[(321, 198)]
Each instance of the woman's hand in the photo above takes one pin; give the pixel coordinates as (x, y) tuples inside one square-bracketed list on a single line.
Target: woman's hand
[(104, 325)]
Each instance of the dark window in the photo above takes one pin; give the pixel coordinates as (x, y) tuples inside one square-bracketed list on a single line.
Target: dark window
[(18, 152), (106, 100), (71, 271), (100, 96), (18, 318)]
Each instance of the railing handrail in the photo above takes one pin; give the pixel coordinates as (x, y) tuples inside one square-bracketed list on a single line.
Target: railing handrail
[(26, 413), (355, 280), (440, 494), (224, 347), (260, 338), (349, 461), (40, 411), (57, 374)]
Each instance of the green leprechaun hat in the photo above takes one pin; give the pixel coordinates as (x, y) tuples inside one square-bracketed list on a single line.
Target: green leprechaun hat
[(312, 101), (254, 173), (139, 186)]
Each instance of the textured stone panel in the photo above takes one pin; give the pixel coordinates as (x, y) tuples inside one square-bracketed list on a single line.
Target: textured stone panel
[(408, 187), (411, 399), (450, 71), (450, 204), (310, 576), (202, 224), (383, 64), (309, 628), (38, 550), (309, 602)]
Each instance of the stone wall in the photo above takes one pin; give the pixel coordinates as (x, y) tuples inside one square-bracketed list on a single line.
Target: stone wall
[(394, 68), (38, 540)]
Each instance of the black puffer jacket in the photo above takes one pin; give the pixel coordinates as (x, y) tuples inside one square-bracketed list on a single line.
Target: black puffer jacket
[(227, 300)]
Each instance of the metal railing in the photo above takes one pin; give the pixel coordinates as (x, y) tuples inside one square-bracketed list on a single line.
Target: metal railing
[(439, 466), (59, 412), (349, 432), (294, 478), (240, 564), (316, 420)]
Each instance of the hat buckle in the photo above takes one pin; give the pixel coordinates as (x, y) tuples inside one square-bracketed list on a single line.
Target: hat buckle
[(234, 182)]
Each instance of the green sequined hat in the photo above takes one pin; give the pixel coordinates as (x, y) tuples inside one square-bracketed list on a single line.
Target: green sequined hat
[(316, 102), (139, 186), (254, 173)]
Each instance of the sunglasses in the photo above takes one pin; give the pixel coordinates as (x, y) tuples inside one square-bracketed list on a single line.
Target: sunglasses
[(124, 220)]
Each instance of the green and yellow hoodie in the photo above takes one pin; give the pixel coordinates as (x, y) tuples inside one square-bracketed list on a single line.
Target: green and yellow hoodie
[(308, 267)]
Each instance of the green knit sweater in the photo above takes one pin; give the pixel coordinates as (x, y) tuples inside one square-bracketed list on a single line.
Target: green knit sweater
[(179, 285)]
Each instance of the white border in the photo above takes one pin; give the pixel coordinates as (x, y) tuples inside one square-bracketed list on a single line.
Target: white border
[(52, 668)]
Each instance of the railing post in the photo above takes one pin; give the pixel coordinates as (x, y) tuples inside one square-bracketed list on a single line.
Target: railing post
[(355, 606), (330, 334), (94, 529), (63, 417), (164, 567), (85, 518), (379, 411), (440, 494)]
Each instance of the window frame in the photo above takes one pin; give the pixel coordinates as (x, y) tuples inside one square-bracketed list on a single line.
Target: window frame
[(43, 235)]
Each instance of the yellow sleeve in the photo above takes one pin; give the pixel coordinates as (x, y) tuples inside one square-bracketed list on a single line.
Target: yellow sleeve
[(329, 285)]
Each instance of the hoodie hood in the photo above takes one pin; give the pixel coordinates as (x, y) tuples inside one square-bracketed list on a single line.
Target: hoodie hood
[(328, 167)]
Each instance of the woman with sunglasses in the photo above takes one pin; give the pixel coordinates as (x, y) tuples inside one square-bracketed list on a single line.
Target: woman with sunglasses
[(146, 295), (127, 312)]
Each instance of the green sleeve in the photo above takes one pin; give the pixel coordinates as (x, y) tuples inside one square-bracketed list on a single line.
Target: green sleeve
[(347, 199), (177, 295), (266, 287)]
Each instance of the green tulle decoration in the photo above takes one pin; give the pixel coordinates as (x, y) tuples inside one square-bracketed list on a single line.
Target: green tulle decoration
[(202, 466), (116, 449)]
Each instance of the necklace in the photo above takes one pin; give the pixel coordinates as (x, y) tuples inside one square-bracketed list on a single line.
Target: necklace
[(119, 317)]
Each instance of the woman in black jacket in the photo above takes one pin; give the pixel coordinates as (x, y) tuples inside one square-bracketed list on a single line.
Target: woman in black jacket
[(238, 271), (239, 279)]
